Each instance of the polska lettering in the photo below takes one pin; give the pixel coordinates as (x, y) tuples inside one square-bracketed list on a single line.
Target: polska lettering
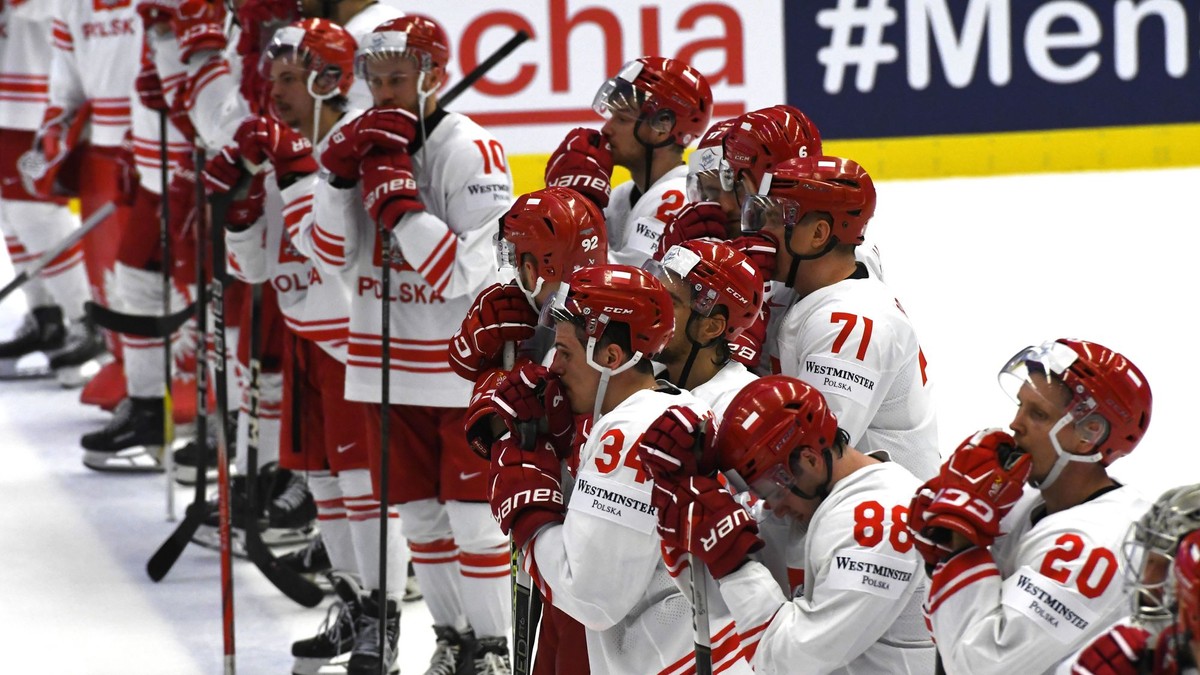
[(838, 373), (1050, 603), (110, 28), (417, 294)]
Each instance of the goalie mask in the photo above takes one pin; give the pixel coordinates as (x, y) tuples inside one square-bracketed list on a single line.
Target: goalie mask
[(1148, 553)]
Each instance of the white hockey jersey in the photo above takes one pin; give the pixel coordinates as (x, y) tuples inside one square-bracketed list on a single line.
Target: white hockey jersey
[(446, 259), (723, 386), (1041, 592), (25, 54), (859, 610), (603, 564), (853, 343), (96, 57), (366, 21), (635, 228), (315, 304)]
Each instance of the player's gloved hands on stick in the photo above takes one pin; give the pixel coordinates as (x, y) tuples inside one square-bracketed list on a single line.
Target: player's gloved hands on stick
[(1120, 651), (668, 448), (150, 89), (524, 487), (266, 139), (697, 220), (584, 163), (702, 517), (530, 394), (388, 186), (501, 314), (482, 423)]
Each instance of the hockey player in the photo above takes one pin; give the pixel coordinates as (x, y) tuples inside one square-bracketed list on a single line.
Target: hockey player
[(857, 607), (32, 223), (311, 68), (1163, 550), (93, 67), (1023, 594), (845, 333), (654, 108), (597, 558), (438, 183)]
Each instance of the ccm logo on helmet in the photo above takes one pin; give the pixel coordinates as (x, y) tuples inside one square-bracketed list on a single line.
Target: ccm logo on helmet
[(617, 310)]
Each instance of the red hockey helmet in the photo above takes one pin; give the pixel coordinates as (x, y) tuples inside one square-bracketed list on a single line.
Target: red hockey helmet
[(832, 185), (1102, 384), (761, 140), (705, 162), (719, 275), (594, 297), (410, 35), (1187, 584), (322, 47), (561, 229), (669, 96), (765, 425)]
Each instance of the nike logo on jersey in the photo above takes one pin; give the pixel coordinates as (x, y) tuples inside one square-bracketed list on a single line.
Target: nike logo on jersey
[(344, 448), (468, 476)]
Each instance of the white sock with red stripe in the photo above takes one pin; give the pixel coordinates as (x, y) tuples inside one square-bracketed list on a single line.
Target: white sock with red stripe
[(362, 510), (484, 567), (31, 229), (435, 560), (331, 516)]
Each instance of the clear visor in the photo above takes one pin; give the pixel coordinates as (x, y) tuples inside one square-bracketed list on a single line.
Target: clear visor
[(388, 45), (773, 484), (704, 186), (726, 175), (677, 263), (506, 252), (1043, 369), (617, 95), (761, 211)]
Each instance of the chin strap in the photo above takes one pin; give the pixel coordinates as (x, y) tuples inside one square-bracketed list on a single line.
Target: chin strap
[(796, 257), (1064, 457), (605, 375)]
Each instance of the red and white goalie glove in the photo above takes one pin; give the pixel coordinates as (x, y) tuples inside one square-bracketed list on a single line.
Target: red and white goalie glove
[(702, 517), (501, 314), (584, 163), (1123, 650), (979, 485), (698, 220), (389, 187), (266, 139), (525, 487)]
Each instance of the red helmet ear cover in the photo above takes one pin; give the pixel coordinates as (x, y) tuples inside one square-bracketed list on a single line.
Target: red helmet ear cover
[(605, 294), (768, 419), (560, 228), (1120, 391), (675, 86)]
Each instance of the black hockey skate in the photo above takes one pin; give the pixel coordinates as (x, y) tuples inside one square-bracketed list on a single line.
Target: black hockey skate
[(365, 659), (132, 440), (454, 653), (41, 331), (310, 561), (491, 656), (187, 459), (336, 635), (292, 506), (81, 355)]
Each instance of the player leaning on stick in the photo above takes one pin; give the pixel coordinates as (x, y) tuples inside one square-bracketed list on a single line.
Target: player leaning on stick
[(1022, 592), (438, 182)]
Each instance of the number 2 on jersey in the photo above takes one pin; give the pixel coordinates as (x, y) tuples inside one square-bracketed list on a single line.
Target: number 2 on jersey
[(1095, 574), (850, 321)]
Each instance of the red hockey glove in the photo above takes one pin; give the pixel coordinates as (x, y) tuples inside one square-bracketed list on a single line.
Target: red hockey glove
[(702, 517), (150, 89), (128, 178), (501, 314), (524, 488), (481, 423), (181, 195), (223, 171), (668, 447), (199, 26), (341, 157), (388, 186), (698, 220), (746, 348), (266, 139), (933, 544), (979, 485), (1120, 651), (154, 12), (530, 394), (259, 19), (179, 116), (583, 162), (389, 129), (761, 248), (246, 211)]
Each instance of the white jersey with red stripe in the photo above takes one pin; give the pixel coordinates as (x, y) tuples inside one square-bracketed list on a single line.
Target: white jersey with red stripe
[(858, 611), (723, 386), (445, 259), (97, 45), (853, 342), (366, 21), (214, 99), (24, 65), (603, 565), (315, 303), (1041, 592), (146, 143), (634, 228)]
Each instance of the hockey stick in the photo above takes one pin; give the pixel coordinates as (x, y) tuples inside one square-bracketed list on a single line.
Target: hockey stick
[(385, 395), (220, 281), (61, 247), (701, 633), (289, 582), (141, 325), (483, 68), (164, 558), (164, 238), (526, 603)]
